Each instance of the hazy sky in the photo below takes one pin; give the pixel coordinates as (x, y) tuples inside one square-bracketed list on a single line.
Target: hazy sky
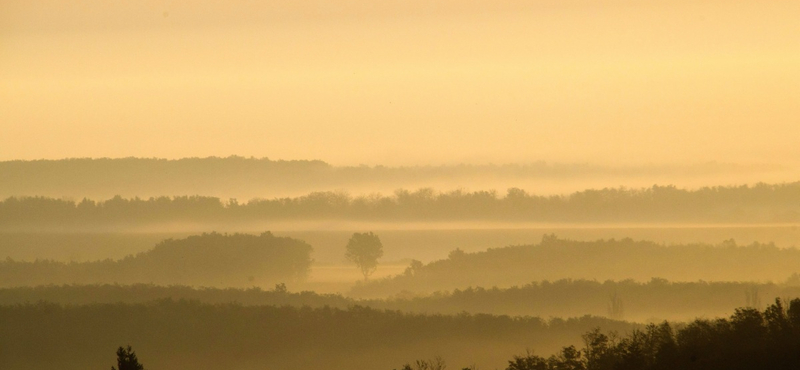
[(402, 81)]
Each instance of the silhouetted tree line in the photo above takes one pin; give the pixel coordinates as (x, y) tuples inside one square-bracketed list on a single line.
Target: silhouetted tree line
[(656, 299), (207, 259), (749, 339), (142, 293), (555, 258), (653, 300), (760, 203), (191, 335), (105, 177)]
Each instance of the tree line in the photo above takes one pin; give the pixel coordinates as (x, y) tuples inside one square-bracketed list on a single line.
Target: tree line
[(185, 334), (241, 260), (106, 177), (556, 258), (762, 203), (749, 339), (207, 259), (656, 299)]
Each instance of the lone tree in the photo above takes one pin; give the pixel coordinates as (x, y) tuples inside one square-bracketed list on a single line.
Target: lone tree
[(126, 360), (364, 249)]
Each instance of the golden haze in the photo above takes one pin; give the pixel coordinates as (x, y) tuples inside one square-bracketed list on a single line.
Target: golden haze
[(402, 82)]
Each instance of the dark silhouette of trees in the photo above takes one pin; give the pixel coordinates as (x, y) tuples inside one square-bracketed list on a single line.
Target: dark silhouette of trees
[(748, 339), (436, 363), (364, 249), (192, 335), (527, 362), (674, 301), (127, 360)]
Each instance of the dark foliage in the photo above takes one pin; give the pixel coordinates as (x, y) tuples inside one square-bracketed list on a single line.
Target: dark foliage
[(749, 339), (191, 335), (127, 360)]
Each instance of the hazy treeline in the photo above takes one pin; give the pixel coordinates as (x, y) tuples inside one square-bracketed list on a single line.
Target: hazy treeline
[(554, 258), (252, 177), (654, 300), (143, 293), (762, 203), (657, 299), (207, 259), (749, 339), (181, 334)]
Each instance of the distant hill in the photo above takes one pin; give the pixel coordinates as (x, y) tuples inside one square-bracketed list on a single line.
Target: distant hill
[(247, 178), (555, 258), (762, 203), (202, 260)]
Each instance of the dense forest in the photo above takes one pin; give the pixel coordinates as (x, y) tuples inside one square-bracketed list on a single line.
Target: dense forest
[(761, 203), (555, 258), (169, 334), (178, 333), (657, 299), (235, 176), (749, 339), (207, 259)]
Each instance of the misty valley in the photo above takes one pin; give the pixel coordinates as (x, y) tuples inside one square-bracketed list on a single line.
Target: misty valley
[(651, 278), (399, 185)]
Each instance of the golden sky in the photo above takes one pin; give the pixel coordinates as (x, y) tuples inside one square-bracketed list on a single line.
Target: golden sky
[(402, 81)]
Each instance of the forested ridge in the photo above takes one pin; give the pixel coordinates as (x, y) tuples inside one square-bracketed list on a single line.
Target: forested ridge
[(249, 260), (656, 299), (185, 334), (749, 339), (207, 259), (169, 333), (762, 203), (227, 176), (555, 258)]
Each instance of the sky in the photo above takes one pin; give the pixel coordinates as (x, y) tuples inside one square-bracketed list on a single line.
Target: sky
[(402, 82)]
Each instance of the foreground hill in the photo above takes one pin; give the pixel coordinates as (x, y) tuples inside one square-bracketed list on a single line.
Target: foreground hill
[(190, 335), (749, 339)]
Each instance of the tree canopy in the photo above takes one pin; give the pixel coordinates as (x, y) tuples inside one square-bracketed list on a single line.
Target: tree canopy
[(364, 249)]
